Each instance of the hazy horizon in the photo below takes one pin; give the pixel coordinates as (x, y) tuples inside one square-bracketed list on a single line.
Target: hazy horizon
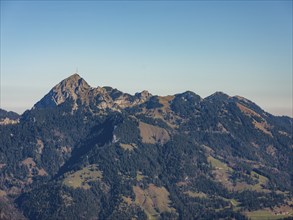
[(166, 47)]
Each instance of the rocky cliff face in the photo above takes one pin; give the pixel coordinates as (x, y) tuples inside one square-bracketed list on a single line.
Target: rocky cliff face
[(73, 87)]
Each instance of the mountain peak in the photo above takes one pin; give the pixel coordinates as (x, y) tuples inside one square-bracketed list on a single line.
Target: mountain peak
[(218, 96), (73, 82), (75, 88), (70, 88), (73, 77)]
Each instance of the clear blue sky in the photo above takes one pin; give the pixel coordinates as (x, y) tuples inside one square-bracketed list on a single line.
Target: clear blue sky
[(238, 47)]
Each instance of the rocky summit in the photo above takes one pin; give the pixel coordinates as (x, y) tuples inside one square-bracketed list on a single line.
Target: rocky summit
[(98, 153), (77, 90)]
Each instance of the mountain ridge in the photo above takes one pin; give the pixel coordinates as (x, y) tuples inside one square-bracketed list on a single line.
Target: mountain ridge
[(75, 87), (98, 153)]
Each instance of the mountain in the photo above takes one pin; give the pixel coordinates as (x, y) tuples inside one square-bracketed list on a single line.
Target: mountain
[(98, 153)]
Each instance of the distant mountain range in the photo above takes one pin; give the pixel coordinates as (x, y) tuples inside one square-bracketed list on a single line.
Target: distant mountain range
[(98, 153)]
